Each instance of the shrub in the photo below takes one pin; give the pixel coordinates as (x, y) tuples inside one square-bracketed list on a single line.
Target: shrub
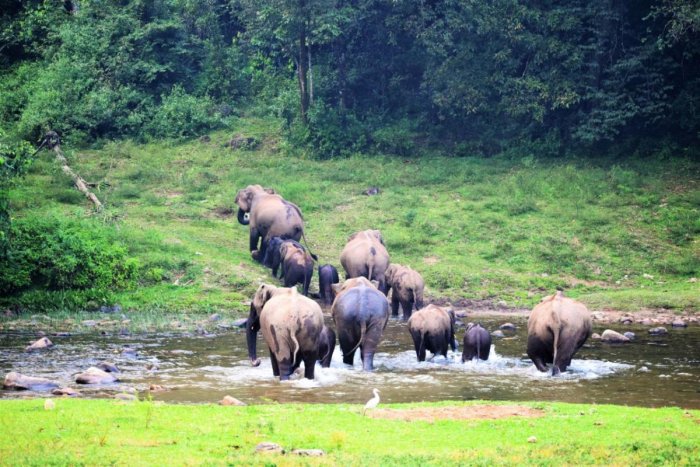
[(183, 115), (53, 254)]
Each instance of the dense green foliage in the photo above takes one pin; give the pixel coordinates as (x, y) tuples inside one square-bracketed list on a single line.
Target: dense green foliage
[(100, 432), (616, 234), (350, 75), (64, 263)]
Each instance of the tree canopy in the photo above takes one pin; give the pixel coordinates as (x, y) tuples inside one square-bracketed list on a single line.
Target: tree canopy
[(347, 75)]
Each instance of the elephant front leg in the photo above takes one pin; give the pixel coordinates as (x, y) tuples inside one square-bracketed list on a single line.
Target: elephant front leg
[(309, 364)]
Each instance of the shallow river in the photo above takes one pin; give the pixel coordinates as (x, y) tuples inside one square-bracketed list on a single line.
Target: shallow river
[(651, 371)]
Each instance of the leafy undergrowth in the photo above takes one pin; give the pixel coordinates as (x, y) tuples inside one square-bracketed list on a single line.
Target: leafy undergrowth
[(616, 234), (99, 432)]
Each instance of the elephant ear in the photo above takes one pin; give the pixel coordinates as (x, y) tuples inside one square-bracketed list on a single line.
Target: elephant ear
[(270, 191), (378, 235), (244, 197), (263, 294)]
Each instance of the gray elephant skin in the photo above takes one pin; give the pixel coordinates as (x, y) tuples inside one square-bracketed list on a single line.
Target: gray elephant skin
[(360, 313), (297, 266), (476, 343), (406, 287), (270, 216), (432, 328), (326, 346), (557, 327), (365, 255), (291, 326)]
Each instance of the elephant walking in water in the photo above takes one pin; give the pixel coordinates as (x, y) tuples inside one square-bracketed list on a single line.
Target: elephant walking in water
[(270, 216), (476, 343), (406, 289), (291, 325), (432, 328), (557, 327), (360, 313), (365, 255)]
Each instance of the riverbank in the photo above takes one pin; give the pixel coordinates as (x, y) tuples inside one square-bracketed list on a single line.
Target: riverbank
[(615, 234), (99, 432)]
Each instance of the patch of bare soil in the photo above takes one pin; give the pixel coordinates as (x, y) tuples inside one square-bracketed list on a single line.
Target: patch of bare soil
[(223, 212), (475, 412)]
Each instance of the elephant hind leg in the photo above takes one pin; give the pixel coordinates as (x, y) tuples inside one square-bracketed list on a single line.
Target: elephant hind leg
[(394, 304), (309, 364), (407, 307), (275, 366)]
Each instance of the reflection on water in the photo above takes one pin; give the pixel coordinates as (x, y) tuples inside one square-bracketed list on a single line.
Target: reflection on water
[(651, 371)]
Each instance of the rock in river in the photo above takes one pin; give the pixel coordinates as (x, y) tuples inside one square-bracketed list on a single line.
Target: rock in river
[(658, 331), (229, 400), (65, 392), (94, 375), (40, 344), (613, 337), (109, 367), (679, 323), (20, 382)]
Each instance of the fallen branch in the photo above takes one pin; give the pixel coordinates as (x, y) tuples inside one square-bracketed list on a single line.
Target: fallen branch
[(54, 143)]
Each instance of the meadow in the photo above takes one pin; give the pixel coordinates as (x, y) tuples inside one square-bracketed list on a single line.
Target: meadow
[(617, 234), (100, 432)]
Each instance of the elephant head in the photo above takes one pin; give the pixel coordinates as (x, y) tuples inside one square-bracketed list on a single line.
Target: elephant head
[(244, 200), (264, 293)]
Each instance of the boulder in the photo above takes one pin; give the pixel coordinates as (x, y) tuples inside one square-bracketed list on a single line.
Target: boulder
[(595, 336), (626, 320), (679, 323), (40, 344), (630, 335), (20, 382), (65, 392), (269, 448), (240, 323), (507, 327), (658, 331), (94, 375), (228, 400), (498, 333), (613, 337), (109, 367), (156, 388), (128, 352)]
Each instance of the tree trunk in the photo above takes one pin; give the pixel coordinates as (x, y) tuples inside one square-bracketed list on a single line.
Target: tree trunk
[(77, 179), (302, 66)]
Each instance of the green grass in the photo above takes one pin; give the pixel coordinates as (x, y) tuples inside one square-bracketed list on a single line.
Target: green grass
[(100, 432), (500, 228)]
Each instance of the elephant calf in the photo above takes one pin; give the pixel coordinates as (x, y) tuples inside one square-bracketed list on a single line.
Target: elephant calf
[(326, 346), (476, 343), (557, 327), (407, 289), (297, 266), (327, 276), (432, 328)]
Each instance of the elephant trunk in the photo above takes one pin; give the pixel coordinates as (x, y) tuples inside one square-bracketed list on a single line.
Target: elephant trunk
[(251, 333), (241, 217)]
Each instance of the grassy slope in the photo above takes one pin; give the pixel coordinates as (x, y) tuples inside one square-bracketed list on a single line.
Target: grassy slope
[(105, 432), (494, 228)]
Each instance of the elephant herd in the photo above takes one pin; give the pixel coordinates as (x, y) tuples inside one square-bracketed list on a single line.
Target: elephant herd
[(293, 327)]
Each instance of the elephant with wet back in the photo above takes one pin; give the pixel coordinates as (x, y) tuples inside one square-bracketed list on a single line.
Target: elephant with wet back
[(432, 328), (269, 215), (291, 325), (360, 313)]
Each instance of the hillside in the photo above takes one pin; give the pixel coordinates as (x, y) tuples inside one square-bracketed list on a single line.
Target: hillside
[(619, 234)]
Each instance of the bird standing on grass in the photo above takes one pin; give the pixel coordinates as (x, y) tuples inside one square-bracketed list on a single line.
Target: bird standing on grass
[(373, 402)]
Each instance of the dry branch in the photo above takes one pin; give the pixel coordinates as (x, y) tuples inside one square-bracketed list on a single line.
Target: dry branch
[(80, 184)]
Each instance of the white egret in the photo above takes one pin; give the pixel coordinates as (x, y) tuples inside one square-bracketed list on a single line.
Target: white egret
[(373, 402)]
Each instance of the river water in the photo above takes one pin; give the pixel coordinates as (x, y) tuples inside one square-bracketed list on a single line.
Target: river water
[(651, 371)]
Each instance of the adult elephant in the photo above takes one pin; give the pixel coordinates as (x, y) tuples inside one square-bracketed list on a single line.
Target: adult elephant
[(432, 328), (407, 289), (291, 325), (557, 327), (269, 215), (365, 255), (360, 313)]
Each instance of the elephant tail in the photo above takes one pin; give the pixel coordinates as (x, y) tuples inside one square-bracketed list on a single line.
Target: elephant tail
[(303, 236), (363, 331), (296, 347)]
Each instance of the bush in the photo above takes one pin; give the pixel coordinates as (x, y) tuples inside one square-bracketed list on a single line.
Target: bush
[(183, 115), (83, 260)]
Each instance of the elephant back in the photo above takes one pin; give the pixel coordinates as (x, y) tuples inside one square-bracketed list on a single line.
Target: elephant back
[(431, 318), (361, 302)]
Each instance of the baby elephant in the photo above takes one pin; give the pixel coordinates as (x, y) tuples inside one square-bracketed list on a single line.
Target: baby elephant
[(327, 276), (477, 343), (326, 346), (407, 286), (297, 265), (432, 328)]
